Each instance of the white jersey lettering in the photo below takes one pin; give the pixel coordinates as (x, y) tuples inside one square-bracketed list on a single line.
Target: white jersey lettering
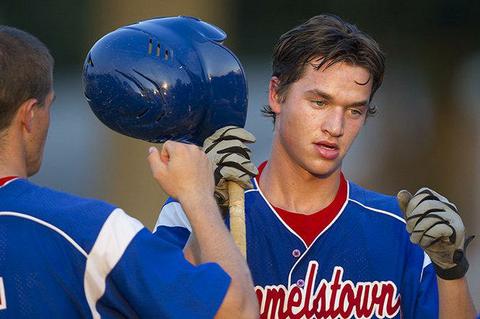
[(3, 300), (330, 299)]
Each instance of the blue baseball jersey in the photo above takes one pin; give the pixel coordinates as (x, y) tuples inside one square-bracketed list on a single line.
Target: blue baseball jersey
[(361, 265), (62, 256)]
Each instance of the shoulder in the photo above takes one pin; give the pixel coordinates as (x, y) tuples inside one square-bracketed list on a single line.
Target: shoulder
[(381, 215), (75, 218), (26, 194), (378, 204)]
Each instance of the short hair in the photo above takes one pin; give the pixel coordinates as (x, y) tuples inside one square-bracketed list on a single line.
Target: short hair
[(332, 40), (26, 68)]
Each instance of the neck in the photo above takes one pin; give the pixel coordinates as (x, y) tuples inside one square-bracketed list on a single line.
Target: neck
[(12, 159), (289, 186)]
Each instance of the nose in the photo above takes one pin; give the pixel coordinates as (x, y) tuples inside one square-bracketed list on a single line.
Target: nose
[(334, 122)]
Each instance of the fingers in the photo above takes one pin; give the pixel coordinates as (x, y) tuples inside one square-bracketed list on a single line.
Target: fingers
[(231, 157), (238, 162), (231, 133), (241, 134), (431, 226), (220, 148), (228, 152), (221, 194), (433, 207), (235, 175), (234, 167), (428, 191), (431, 219), (403, 198), (182, 170), (159, 160), (408, 203), (434, 224), (165, 152), (430, 211), (156, 162), (425, 194)]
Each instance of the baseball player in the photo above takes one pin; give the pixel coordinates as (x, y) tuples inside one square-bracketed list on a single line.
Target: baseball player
[(318, 245), (62, 256)]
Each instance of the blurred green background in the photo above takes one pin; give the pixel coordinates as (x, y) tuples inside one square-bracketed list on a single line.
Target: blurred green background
[(427, 131)]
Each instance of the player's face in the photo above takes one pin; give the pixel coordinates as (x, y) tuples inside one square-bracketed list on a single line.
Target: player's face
[(321, 116), (40, 125)]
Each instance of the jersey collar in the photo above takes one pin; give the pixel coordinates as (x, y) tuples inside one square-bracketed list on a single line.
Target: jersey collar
[(7, 180), (336, 208)]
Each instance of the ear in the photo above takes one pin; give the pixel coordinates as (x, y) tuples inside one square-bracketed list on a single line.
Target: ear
[(26, 113), (273, 98)]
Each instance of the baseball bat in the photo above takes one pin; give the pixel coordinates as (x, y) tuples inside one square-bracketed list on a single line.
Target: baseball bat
[(237, 216)]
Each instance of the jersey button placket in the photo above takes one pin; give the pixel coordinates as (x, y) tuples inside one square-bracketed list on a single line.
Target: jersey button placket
[(296, 253), (300, 283)]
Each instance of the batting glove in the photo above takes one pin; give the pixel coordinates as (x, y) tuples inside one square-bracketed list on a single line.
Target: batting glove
[(433, 223), (231, 158)]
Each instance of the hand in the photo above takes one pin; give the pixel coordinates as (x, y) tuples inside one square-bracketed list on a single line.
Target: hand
[(182, 170), (433, 223), (230, 156)]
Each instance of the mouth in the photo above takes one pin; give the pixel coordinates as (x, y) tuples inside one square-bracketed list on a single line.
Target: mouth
[(327, 150), (328, 145)]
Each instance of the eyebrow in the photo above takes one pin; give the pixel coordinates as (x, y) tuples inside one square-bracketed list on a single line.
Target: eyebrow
[(328, 97)]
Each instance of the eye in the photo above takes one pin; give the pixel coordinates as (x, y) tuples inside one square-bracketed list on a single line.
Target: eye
[(356, 112), (319, 103)]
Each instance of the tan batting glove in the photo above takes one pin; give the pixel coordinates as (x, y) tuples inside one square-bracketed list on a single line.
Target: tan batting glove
[(230, 156), (434, 224)]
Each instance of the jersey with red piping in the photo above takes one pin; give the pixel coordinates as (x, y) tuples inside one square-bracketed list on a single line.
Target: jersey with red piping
[(361, 265)]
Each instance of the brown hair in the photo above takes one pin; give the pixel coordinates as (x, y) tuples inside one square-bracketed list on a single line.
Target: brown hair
[(333, 40), (26, 68)]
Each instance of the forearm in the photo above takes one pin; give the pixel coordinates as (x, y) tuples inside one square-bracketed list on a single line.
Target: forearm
[(191, 251), (211, 242), (454, 299)]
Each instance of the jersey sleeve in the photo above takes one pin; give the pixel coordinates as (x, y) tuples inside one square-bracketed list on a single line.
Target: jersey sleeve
[(427, 303), (172, 224), (420, 295), (132, 273)]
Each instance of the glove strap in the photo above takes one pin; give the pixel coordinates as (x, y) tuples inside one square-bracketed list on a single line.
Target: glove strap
[(461, 262), (455, 272)]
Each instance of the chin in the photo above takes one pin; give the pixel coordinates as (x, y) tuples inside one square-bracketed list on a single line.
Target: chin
[(323, 170)]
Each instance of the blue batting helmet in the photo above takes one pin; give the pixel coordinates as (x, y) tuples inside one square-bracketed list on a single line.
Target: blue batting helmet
[(166, 78)]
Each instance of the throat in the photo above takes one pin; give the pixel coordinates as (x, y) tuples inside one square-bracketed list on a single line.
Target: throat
[(298, 192)]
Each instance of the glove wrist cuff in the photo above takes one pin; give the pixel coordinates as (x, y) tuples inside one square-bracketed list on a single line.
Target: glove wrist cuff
[(455, 272)]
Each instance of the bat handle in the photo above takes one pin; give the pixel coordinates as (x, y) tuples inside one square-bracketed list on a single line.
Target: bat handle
[(237, 216)]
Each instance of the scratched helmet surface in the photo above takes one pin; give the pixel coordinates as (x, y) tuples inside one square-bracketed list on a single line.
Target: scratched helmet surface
[(166, 78)]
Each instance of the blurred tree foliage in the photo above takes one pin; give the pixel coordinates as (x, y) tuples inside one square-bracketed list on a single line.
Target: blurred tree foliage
[(60, 24), (395, 24)]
